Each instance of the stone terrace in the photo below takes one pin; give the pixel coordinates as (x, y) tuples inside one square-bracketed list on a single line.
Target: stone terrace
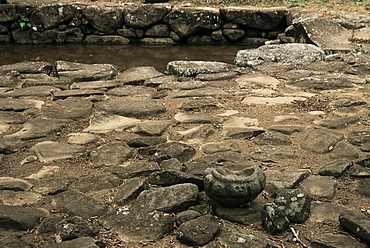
[(94, 157)]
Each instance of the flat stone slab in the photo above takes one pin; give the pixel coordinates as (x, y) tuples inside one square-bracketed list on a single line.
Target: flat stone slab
[(193, 68), (194, 135), (325, 33), (252, 80), (343, 150), (359, 171), (44, 172), (199, 104), (10, 117), (336, 168), (8, 146), (106, 84), (100, 123), (27, 67), (130, 90), (19, 198), (362, 34), (78, 72), (202, 92), (187, 85), (357, 223), (129, 190), (173, 177), (272, 138), (284, 53), (110, 154), (287, 129), (21, 218), (232, 236), (282, 119), (48, 151), (38, 128), (327, 82), (15, 241), (77, 93), (78, 242), (189, 232), (320, 187), (71, 108), (3, 127), (19, 104), (362, 187), (31, 80), (169, 199), (140, 225), (241, 128), (337, 123), (223, 146), (245, 216), (321, 140), (337, 241), (231, 160), (83, 138), (15, 184), (322, 212), (138, 107), (135, 169), (196, 118), (55, 185), (216, 76), (271, 100), (157, 81), (152, 127), (87, 184), (138, 75), (76, 204), (286, 179), (269, 153), (181, 151), (37, 91)]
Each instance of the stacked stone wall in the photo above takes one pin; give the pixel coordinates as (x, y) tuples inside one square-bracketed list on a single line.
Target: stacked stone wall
[(144, 23)]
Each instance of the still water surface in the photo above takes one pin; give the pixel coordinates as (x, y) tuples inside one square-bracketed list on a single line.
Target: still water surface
[(123, 56)]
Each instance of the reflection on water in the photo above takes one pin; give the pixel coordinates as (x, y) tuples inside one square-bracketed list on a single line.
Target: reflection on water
[(123, 56)]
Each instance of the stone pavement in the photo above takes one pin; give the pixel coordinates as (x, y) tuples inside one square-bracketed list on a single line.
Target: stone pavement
[(95, 149)]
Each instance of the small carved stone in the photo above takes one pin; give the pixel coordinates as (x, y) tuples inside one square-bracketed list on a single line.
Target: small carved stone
[(233, 189)]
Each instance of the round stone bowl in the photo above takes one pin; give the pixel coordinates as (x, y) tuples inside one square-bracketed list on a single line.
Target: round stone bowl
[(232, 189)]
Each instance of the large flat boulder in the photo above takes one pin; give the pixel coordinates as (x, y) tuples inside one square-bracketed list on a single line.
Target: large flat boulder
[(38, 128), (139, 225), (74, 203), (193, 68), (70, 108), (78, 72), (21, 218), (169, 199), (48, 151), (325, 33), (138, 107), (27, 67), (290, 53)]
